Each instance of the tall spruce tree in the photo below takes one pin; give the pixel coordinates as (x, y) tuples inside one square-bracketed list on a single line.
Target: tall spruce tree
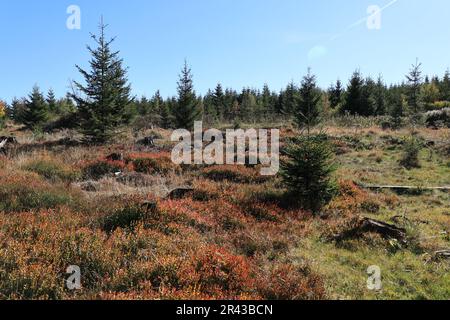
[(414, 78), (380, 97), (369, 98), (230, 98), (218, 99), (18, 107), (167, 118), (36, 110), (104, 101), (143, 106), (308, 106), (51, 101), (187, 110), (248, 106), (289, 99), (336, 93), (267, 101), (354, 102), (157, 102)]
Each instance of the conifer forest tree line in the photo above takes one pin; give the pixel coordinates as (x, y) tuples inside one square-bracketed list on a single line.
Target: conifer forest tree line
[(103, 101)]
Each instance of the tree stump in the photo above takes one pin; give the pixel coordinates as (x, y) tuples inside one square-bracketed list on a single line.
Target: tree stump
[(387, 231), (179, 193)]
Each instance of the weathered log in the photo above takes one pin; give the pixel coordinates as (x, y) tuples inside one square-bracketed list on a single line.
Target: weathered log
[(442, 254), (387, 231), (402, 188), (3, 143), (9, 140), (147, 141), (179, 193), (115, 157), (6, 143)]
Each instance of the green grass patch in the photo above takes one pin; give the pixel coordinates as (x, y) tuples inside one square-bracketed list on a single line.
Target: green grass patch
[(52, 170)]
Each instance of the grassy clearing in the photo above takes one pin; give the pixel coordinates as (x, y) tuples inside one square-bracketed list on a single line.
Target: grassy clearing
[(232, 237)]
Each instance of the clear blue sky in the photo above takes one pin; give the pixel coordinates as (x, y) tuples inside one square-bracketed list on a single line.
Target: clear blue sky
[(239, 43)]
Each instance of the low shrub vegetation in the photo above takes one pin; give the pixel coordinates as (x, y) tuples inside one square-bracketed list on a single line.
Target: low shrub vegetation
[(412, 148), (28, 192), (234, 173), (52, 170), (98, 169)]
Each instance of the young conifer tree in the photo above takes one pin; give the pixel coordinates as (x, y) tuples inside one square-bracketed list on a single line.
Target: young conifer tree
[(35, 113), (414, 78), (308, 164), (104, 100), (51, 101), (187, 111), (308, 107), (307, 170)]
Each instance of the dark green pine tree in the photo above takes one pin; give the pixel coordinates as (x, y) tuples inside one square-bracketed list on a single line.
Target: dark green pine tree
[(398, 110), (248, 106), (209, 108), (279, 103), (157, 102), (289, 99), (414, 78), (18, 109), (336, 93), (354, 102), (143, 106), (230, 98), (308, 107), (267, 101), (105, 99), (380, 97), (368, 102), (51, 101), (187, 110), (36, 110), (166, 113), (218, 98)]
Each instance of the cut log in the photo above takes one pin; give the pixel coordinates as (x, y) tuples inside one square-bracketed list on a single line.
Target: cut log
[(179, 193), (6, 143), (115, 157), (9, 140), (366, 225), (147, 141), (442, 254), (401, 188), (3, 144)]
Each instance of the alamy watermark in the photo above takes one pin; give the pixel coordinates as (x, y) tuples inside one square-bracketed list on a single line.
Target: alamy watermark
[(374, 282), (73, 22), (73, 282), (230, 149), (374, 19)]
